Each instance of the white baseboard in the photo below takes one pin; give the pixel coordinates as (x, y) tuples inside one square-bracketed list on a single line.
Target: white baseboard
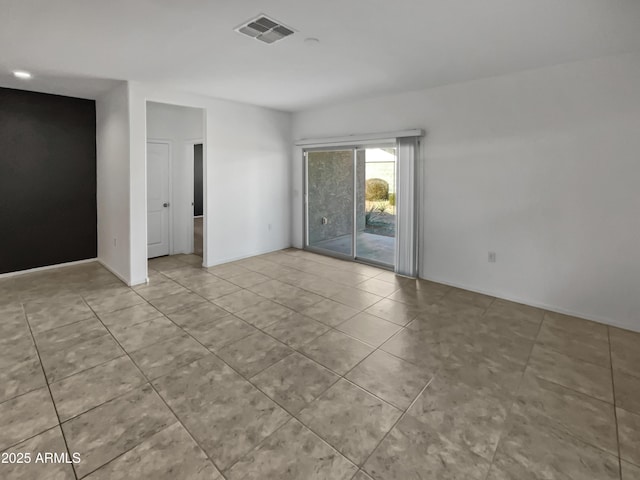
[(48, 267), (544, 306), (116, 273), (138, 282), (242, 257)]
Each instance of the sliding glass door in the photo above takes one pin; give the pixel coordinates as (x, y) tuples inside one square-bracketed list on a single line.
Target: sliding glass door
[(350, 203), (330, 202), (376, 212)]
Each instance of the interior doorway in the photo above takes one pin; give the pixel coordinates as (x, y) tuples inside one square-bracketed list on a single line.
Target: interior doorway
[(351, 202), (176, 190), (158, 194), (198, 199)]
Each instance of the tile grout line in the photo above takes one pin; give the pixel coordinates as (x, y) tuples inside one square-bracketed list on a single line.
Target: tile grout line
[(340, 377), (343, 376), (615, 410), (296, 311), (612, 403), (330, 328), (566, 354), (404, 413), (23, 393), (323, 277), (280, 427), (66, 377), (332, 266), (53, 402), (534, 343), (514, 400), (570, 434), (107, 332), (302, 353), (126, 451), (563, 430), (248, 379), (159, 396), (568, 387), (295, 416), (296, 350), (578, 392), (249, 270), (66, 324), (120, 395), (349, 285), (31, 437), (314, 292), (207, 300)]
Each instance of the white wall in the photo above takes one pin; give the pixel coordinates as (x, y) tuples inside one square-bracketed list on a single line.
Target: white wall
[(541, 167), (181, 127), (112, 148), (247, 170)]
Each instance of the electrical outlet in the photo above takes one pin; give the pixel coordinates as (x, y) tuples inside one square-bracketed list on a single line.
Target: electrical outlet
[(492, 257)]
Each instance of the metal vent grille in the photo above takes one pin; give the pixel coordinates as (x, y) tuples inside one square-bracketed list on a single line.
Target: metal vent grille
[(265, 29)]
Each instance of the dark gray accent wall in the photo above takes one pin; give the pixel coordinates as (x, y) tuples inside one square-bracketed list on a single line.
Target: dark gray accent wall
[(47, 180)]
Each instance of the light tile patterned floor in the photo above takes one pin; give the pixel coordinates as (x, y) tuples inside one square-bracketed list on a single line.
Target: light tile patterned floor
[(292, 365)]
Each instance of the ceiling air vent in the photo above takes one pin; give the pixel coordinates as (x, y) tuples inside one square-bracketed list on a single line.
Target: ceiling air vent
[(265, 29)]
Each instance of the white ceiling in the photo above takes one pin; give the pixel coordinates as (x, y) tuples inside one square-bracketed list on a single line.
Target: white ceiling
[(60, 84), (367, 47)]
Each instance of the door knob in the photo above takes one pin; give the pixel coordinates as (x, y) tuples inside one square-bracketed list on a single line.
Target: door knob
[(165, 204)]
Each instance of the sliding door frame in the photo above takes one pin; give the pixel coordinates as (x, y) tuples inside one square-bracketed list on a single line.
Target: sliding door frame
[(305, 201), (354, 234)]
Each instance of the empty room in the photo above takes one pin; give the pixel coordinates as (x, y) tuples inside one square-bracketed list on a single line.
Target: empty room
[(340, 240)]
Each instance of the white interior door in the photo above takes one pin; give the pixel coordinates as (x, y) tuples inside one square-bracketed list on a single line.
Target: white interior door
[(157, 199)]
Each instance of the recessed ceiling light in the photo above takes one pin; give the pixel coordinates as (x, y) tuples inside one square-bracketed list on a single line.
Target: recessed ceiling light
[(22, 74)]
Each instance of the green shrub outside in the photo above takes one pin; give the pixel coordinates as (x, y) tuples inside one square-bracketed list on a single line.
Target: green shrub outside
[(377, 189)]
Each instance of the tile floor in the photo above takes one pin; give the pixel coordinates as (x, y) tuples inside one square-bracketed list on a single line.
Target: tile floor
[(197, 235), (292, 365)]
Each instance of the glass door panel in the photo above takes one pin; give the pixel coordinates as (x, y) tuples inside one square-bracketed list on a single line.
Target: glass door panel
[(376, 205), (330, 201)]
